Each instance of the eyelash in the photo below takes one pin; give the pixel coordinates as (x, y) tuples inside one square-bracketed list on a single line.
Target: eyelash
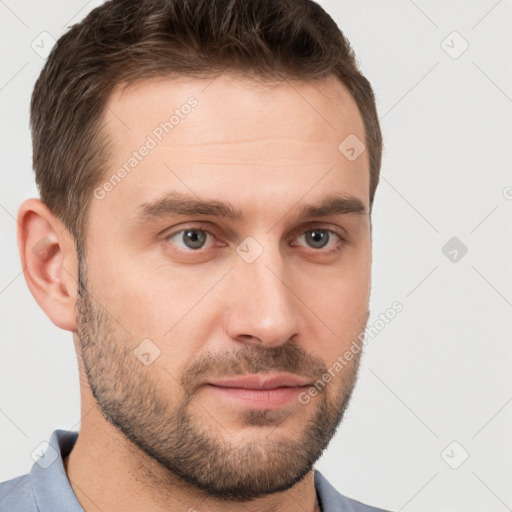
[(343, 240)]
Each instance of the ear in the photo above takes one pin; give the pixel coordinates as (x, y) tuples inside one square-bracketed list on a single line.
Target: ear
[(49, 261)]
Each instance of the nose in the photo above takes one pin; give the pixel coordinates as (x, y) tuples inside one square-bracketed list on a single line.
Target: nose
[(263, 305)]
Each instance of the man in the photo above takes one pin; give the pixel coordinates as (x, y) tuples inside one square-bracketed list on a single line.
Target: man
[(207, 171)]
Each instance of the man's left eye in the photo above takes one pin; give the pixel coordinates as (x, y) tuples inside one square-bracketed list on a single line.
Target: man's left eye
[(320, 238)]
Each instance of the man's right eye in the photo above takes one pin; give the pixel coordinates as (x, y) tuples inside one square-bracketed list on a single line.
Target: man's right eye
[(190, 238)]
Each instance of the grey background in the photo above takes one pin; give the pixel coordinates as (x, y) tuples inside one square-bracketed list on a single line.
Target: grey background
[(440, 371)]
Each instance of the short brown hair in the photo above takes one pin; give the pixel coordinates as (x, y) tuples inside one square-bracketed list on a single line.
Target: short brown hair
[(124, 41)]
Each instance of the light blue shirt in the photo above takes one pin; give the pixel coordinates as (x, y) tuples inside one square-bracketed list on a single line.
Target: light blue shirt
[(46, 488)]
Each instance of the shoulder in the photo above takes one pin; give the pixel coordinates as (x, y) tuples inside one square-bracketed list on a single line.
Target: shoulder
[(333, 501), (17, 495)]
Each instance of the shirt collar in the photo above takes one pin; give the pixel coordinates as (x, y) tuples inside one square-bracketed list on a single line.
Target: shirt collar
[(50, 483)]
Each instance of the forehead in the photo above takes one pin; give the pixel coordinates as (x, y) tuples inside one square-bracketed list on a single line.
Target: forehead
[(231, 108), (232, 138)]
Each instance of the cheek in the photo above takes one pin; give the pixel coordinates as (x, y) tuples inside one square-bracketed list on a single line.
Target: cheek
[(165, 310), (339, 301), (341, 310)]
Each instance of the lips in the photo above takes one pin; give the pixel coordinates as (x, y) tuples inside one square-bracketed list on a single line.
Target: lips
[(262, 382), (256, 391)]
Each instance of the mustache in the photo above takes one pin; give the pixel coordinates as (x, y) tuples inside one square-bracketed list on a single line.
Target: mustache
[(288, 357)]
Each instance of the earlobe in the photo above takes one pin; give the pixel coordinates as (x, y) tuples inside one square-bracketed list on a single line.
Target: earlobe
[(49, 262)]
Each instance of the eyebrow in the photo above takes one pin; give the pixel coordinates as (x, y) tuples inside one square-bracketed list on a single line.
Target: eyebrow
[(177, 203)]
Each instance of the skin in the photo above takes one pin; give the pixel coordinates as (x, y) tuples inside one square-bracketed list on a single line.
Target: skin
[(268, 150)]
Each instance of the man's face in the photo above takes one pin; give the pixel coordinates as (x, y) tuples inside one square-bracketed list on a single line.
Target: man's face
[(225, 304)]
